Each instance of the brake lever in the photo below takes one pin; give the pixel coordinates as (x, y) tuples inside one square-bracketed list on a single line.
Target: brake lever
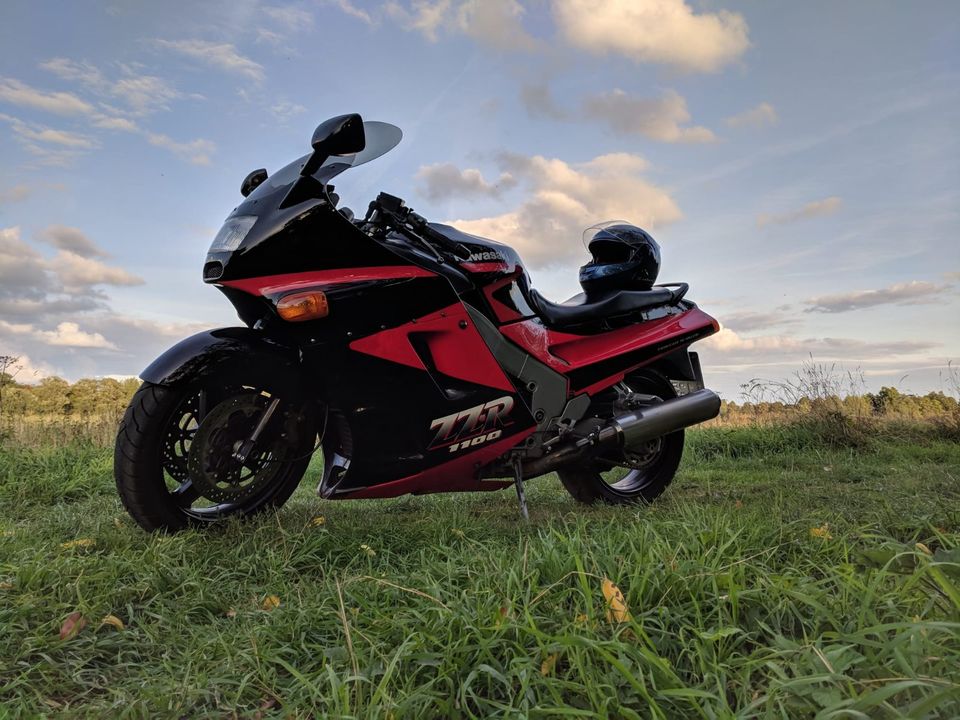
[(420, 224)]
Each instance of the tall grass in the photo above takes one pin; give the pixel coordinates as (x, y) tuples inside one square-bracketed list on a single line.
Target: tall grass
[(777, 577)]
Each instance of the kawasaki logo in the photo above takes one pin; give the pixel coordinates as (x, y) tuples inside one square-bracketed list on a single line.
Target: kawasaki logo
[(486, 256)]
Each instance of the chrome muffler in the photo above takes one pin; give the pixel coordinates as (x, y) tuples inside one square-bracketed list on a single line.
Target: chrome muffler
[(633, 428), (654, 421)]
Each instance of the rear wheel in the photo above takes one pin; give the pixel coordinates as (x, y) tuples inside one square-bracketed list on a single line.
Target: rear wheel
[(637, 475), (173, 459)]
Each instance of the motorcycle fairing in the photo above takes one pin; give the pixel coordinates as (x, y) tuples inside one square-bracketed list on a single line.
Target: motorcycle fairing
[(401, 350), (596, 361)]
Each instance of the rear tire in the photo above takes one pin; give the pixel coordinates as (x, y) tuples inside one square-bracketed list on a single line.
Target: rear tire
[(590, 482), (142, 480)]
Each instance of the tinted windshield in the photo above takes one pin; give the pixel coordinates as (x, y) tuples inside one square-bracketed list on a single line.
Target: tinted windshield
[(380, 138)]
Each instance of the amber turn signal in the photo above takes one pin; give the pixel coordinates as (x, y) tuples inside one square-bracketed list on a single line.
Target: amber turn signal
[(302, 306)]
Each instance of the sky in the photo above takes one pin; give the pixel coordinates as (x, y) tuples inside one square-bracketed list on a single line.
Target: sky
[(798, 163)]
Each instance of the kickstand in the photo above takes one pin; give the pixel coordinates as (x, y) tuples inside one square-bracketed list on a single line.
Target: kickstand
[(518, 481)]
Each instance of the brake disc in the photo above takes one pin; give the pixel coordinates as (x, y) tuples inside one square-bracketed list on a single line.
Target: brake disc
[(215, 473), (175, 446), (639, 457)]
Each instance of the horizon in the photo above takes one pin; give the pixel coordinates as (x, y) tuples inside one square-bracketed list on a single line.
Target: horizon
[(798, 165)]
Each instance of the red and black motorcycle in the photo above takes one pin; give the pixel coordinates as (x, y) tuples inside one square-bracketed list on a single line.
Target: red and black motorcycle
[(415, 357)]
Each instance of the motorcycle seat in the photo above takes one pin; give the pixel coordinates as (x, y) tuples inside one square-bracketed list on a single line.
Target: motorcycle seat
[(579, 311)]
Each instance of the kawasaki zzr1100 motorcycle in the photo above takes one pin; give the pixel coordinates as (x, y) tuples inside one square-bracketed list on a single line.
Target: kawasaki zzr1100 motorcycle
[(414, 357)]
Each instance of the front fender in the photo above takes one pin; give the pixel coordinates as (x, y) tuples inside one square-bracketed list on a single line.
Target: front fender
[(206, 352)]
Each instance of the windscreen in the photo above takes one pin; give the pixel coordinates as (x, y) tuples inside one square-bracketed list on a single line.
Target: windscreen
[(380, 139)]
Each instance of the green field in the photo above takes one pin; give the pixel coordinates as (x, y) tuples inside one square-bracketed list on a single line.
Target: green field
[(451, 606)]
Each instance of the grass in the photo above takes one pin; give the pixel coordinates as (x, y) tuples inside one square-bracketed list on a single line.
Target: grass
[(450, 606)]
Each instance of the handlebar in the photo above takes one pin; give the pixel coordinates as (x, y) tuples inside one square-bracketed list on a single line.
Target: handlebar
[(412, 225)]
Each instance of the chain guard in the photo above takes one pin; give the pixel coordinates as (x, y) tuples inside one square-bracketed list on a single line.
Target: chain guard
[(215, 473)]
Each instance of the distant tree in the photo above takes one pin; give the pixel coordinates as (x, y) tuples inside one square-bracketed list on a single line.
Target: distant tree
[(83, 396), (9, 367), (51, 395), (129, 387)]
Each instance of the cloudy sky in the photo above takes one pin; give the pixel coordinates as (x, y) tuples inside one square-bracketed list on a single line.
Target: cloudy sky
[(798, 162)]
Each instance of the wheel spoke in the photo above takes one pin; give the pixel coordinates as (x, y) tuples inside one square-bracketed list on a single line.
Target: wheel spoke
[(185, 494)]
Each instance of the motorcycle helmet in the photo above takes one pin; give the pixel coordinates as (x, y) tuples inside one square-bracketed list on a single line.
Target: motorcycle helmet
[(624, 257)]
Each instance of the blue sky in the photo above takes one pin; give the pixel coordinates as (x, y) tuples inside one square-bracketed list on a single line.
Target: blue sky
[(798, 162)]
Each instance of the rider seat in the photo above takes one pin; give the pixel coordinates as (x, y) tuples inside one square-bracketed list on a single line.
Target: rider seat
[(578, 310)]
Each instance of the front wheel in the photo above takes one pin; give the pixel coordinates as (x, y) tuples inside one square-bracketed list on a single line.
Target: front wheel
[(640, 475), (173, 459)]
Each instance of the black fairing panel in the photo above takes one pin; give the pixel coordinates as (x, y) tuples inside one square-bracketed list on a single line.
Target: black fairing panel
[(311, 235), (204, 353), (390, 407)]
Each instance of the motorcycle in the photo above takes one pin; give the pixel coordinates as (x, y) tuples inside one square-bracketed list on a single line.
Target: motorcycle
[(414, 357)]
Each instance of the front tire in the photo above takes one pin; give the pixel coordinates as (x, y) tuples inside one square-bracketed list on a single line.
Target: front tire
[(593, 481), (150, 463)]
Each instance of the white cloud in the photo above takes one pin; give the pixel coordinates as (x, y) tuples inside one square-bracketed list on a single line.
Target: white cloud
[(47, 306), (291, 19), (50, 146), (69, 334), (424, 16), (144, 94), (497, 23), (70, 238), (539, 102), (730, 343), (353, 11), (756, 117), (285, 110), (909, 293), (219, 55), (23, 271), (106, 122), (59, 103), (16, 193), (444, 180), (746, 321), (817, 208), (658, 31), (82, 72), (25, 370), (656, 118), (565, 198), (77, 272), (66, 334), (30, 133), (197, 152)]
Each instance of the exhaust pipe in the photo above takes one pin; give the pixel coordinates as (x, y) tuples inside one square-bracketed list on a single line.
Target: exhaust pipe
[(657, 420), (634, 428)]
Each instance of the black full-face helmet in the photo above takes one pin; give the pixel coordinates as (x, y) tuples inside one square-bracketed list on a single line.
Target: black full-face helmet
[(625, 257)]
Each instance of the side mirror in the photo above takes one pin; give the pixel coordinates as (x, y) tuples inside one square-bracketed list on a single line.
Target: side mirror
[(252, 181), (341, 135)]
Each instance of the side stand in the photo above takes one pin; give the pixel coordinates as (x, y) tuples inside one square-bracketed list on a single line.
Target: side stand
[(518, 481)]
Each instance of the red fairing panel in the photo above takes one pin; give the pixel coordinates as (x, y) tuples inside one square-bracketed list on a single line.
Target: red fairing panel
[(271, 284), (458, 475), (565, 351), (456, 348), (504, 313)]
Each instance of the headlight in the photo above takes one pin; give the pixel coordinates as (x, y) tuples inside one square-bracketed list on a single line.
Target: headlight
[(232, 233)]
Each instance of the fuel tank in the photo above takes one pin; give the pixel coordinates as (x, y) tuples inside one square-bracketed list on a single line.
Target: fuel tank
[(498, 270)]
